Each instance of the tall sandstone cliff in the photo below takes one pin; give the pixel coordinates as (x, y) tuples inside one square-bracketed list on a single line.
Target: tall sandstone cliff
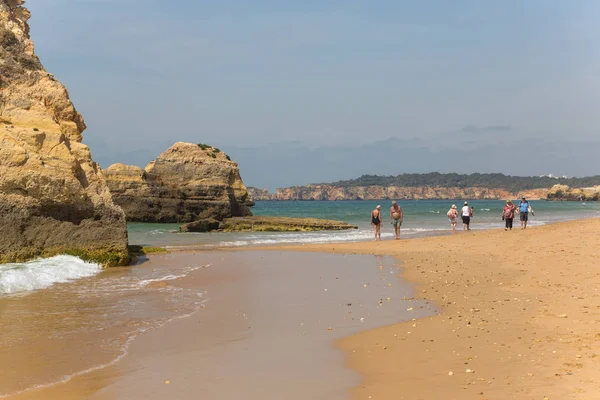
[(185, 183), (53, 197), (332, 192)]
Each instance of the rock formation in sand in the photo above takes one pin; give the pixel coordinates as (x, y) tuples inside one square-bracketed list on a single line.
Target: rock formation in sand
[(53, 197), (186, 183), (332, 192), (566, 193), (266, 224)]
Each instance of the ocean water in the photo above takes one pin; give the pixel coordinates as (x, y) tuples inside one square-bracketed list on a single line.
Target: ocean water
[(43, 273), (63, 318), (421, 218)]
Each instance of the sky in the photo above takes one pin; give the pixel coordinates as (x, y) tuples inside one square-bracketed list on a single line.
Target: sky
[(316, 90)]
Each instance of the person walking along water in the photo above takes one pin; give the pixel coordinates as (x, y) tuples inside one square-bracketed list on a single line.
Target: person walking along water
[(508, 214), (467, 213), (452, 215), (376, 222), (396, 217), (524, 210)]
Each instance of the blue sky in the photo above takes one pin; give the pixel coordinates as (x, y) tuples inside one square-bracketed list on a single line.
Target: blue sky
[(320, 74)]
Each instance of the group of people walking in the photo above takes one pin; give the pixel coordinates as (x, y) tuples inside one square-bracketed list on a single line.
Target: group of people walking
[(508, 213), (466, 213), (396, 218)]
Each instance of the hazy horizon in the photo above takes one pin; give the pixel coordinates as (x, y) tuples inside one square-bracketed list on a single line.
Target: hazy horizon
[(329, 90)]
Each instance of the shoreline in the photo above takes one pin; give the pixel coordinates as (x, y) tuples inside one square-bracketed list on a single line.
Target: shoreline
[(509, 327), (513, 341), (252, 313)]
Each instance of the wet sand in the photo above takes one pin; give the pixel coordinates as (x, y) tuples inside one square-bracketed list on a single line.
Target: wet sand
[(520, 317), (266, 330)]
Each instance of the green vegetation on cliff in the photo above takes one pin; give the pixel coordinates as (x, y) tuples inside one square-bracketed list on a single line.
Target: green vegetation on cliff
[(499, 181)]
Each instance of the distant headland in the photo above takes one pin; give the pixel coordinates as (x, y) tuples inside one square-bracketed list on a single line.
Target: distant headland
[(435, 185)]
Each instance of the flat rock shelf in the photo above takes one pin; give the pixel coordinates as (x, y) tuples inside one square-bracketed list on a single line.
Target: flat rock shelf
[(268, 224)]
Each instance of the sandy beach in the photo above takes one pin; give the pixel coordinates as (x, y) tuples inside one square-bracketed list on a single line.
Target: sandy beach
[(266, 328), (520, 317)]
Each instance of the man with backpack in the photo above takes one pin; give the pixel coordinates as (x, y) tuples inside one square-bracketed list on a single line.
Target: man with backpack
[(524, 210)]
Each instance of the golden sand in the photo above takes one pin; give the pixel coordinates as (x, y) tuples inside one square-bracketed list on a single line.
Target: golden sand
[(520, 317)]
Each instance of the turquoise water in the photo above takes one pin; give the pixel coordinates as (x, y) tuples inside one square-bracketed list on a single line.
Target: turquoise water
[(421, 218)]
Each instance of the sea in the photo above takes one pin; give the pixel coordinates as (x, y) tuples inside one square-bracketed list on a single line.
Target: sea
[(81, 318), (421, 218)]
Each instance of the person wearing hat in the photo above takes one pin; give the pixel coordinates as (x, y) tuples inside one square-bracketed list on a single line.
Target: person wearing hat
[(396, 218), (452, 214), (467, 213), (508, 213), (524, 210), (376, 221)]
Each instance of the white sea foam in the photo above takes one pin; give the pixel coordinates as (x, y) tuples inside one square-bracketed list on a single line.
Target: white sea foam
[(43, 273), (321, 237), (171, 277)]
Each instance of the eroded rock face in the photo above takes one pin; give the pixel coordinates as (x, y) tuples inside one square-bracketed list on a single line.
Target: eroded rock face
[(332, 192), (186, 183), (566, 193), (261, 194), (53, 197)]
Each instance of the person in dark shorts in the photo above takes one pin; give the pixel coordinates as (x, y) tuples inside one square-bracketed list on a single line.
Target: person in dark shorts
[(376, 221), (466, 216), (524, 208), (508, 214)]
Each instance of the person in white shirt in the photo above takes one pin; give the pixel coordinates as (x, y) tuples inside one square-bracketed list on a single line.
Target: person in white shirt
[(467, 213)]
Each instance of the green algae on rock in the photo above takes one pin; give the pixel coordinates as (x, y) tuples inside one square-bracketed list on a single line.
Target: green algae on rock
[(270, 224)]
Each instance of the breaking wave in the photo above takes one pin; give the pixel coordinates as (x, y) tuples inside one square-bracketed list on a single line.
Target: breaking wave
[(43, 273)]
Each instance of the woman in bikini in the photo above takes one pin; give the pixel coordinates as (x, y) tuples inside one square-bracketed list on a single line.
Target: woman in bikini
[(376, 222)]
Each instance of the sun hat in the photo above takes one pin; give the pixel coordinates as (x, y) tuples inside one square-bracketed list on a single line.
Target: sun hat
[(522, 197), (378, 206), (453, 205), (394, 202), (466, 203)]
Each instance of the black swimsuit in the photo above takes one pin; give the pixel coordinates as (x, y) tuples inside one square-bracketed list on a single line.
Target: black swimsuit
[(375, 220)]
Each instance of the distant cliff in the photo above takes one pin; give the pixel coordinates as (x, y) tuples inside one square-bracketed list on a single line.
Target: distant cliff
[(187, 182), (53, 196), (566, 193), (332, 192), (260, 194), (436, 185)]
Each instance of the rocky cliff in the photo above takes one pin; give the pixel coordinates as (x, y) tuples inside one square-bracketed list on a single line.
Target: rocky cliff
[(260, 194), (332, 192), (185, 183), (53, 197), (566, 193)]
